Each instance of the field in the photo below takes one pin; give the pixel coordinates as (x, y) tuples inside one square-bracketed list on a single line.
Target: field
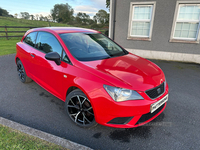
[(9, 46), (8, 21)]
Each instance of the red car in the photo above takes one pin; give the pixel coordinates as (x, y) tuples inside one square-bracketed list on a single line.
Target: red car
[(99, 80)]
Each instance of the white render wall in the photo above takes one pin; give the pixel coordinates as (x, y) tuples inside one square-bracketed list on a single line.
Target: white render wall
[(160, 46), (170, 56)]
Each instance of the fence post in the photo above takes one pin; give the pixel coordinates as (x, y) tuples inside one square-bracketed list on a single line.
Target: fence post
[(6, 32)]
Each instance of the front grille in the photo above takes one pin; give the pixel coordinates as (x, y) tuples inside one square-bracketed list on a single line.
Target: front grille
[(156, 92), (149, 115)]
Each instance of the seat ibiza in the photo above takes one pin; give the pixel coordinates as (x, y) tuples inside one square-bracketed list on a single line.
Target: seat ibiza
[(99, 81)]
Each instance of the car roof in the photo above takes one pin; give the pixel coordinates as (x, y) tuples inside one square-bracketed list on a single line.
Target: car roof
[(60, 30)]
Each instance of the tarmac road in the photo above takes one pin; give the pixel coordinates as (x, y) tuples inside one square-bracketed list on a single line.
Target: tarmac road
[(178, 127)]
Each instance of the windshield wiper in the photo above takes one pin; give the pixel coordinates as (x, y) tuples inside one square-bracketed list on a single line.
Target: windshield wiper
[(106, 57)]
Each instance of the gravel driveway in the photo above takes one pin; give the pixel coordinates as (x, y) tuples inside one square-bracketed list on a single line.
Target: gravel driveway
[(176, 128)]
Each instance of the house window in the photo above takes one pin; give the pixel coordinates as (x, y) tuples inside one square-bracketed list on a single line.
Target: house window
[(141, 20), (186, 23)]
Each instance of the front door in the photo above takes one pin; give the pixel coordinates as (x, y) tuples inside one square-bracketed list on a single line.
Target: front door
[(47, 73)]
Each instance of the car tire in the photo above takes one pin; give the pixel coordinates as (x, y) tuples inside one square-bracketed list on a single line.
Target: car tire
[(22, 73), (79, 109)]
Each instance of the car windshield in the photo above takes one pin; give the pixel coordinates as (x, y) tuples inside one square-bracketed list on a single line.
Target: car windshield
[(91, 46)]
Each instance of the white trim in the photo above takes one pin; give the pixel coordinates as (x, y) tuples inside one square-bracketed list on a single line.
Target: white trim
[(175, 20), (140, 20), (138, 36), (192, 21), (187, 39), (151, 20), (170, 56)]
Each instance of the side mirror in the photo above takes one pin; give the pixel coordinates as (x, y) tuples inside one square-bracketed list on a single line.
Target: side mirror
[(53, 56)]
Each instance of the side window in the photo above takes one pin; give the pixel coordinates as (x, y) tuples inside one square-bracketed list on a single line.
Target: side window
[(46, 43), (30, 39)]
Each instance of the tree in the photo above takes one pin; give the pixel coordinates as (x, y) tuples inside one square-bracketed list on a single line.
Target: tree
[(32, 17), (3, 12), (37, 16), (25, 15), (95, 19), (62, 13), (10, 16), (82, 18), (49, 18), (101, 17), (91, 22), (41, 17), (16, 15), (46, 18), (108, 4), (78, 18)]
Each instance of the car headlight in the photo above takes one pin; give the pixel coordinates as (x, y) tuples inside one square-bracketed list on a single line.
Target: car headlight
[(120, 94)]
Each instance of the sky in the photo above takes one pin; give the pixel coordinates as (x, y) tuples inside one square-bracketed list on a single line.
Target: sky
[(43, 7)]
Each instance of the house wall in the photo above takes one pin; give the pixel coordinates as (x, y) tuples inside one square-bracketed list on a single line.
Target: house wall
[(159, 47)]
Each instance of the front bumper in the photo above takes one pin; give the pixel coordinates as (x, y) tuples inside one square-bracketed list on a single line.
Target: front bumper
[(127, 114)]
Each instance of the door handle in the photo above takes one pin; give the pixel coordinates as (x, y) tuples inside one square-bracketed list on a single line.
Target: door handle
[(32, 55)]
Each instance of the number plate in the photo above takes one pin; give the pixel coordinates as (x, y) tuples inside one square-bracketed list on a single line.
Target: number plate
[(159, 103)]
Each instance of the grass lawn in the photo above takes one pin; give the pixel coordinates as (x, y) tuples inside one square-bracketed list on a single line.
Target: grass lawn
[(12, 139), (8, 46), (9, 21)]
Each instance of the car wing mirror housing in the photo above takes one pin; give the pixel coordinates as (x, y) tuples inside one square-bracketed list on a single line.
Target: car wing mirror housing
[(54, 56)]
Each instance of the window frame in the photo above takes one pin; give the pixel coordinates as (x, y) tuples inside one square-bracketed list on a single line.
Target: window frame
[(63, 51), (177, 10), (151, 20)]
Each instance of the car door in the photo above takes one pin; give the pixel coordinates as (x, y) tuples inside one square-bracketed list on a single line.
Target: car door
[(47, 73), (26, 48)]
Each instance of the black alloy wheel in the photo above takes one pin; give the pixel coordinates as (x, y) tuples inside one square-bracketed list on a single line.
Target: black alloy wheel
[(79, 109), (22, 73)]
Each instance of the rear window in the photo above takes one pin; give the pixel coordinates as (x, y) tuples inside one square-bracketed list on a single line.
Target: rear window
[(30, 39)]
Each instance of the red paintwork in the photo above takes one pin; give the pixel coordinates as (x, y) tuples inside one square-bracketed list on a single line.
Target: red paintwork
[(128, 71)]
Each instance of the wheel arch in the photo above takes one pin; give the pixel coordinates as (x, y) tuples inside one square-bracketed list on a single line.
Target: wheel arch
[(70, 89), (17, 59), (74, 87)]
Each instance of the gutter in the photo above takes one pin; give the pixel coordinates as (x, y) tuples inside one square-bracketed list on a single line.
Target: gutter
[(114, 20), (113, 4)]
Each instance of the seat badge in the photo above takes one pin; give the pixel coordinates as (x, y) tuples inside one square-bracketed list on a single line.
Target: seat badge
[(159, 90)]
